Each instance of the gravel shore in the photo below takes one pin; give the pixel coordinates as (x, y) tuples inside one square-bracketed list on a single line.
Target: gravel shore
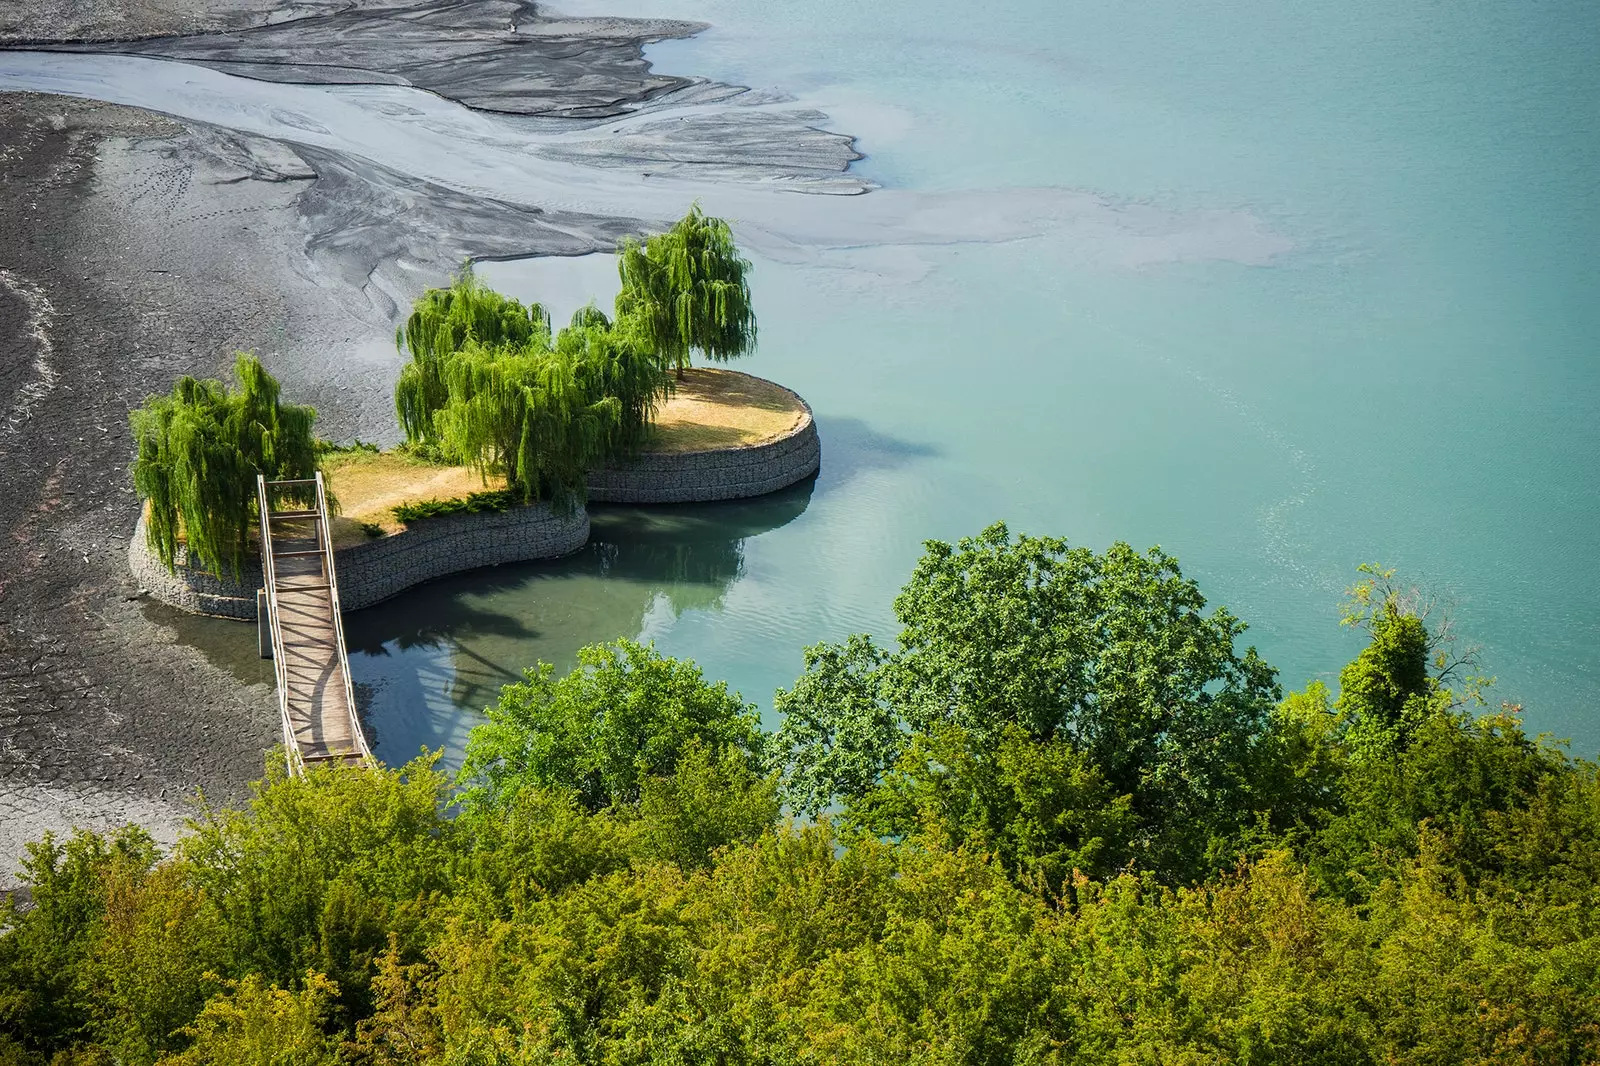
[(113, 283)]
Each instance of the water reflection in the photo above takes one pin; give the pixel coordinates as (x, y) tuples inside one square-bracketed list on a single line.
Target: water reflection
[(425, 662)]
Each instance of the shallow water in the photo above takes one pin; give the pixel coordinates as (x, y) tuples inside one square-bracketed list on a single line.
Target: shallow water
[(1281, 287)]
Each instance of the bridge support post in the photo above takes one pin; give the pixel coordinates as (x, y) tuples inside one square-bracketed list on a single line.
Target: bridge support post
[(263, 626)]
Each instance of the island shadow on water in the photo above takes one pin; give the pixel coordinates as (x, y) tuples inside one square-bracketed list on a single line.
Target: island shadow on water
[(426, 662)]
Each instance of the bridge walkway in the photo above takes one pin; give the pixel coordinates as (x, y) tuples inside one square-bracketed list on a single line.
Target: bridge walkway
[(315, 697)]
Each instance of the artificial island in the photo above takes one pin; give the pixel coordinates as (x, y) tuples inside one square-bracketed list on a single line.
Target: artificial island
[(510, 426)]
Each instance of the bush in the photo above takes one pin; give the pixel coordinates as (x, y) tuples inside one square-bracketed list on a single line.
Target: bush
[(493, 501)]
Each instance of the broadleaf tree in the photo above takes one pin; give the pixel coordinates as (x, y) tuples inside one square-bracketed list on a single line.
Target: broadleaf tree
[(1111, 655)]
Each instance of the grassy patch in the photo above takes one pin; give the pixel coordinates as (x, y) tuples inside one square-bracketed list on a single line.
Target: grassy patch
[(371, 485), (723, 409)]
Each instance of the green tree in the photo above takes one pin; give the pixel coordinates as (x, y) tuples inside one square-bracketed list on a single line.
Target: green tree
[(46, 946), (443, 322), (147, 975), (1109, 654), (536, 418), (688, 290), (254, 1024), (624, 715), (317, 871), (199, 451)]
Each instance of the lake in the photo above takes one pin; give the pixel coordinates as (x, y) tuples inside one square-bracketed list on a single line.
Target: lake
[(1317, 288)]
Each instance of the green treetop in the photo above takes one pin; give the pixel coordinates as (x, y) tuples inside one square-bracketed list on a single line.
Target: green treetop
[(1147, 715), (444, 321), (689, 291), (200, 450)]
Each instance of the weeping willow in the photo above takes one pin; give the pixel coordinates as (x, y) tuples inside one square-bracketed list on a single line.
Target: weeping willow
[(688, 289), (528, 415), (617, 361), (199, 451), (441, 323)]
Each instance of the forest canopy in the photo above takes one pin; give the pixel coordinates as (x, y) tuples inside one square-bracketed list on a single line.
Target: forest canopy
[(1064, 817)]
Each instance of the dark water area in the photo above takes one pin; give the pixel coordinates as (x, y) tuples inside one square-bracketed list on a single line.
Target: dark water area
[(426, 661)]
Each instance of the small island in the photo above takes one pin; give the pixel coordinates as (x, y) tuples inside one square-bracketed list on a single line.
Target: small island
[(511, 430)]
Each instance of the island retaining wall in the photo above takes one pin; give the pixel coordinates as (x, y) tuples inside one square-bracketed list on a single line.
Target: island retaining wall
[(379, 568), (714, 474)]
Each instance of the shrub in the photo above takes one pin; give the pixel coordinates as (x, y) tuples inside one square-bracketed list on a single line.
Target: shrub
[(475, 503)]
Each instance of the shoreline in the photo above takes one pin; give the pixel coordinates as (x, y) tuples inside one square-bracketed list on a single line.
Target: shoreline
[(431, 548), (159, 247)]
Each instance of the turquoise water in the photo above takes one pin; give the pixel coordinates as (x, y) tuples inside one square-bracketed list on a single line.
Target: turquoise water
[(1412, 380)]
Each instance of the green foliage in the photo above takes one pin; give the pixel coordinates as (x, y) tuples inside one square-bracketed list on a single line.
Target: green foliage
[(493, 501), (617, 886), (252, 1024), (1386, 693), (688, 289), (1109, 655), (535, 418), (624, 715), (616, 362), (543, 417), (442, 323), (199, 451)]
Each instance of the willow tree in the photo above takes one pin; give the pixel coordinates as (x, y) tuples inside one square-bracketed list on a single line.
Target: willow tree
[(689, 291), (199, 451), (529, 415), (442, 322), (616, 361)]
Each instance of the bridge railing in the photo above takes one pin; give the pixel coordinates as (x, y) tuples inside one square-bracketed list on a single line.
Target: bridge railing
[(280, 665), (338, 620)]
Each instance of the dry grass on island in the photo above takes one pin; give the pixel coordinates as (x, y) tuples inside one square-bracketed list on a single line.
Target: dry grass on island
[(713, 408), (709, 409)]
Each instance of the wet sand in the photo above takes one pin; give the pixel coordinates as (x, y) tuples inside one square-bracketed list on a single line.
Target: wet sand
[(120, 272)]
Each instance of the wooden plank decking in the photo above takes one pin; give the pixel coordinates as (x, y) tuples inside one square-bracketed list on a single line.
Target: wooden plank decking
[(315, 695)]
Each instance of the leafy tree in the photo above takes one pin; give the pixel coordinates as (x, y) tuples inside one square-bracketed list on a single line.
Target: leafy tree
[(624, 715), (147, 974), (615, 362), (318, 870), (46, 946), (707, 802), (1111, 655), (404, 1028), (1040, 807), (199, 451), (443, 322), (617, 887), (536, 418), (254, 1024), (688, 290)]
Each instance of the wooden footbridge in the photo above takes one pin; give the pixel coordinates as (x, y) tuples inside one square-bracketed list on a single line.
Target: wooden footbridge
[(301, 593)]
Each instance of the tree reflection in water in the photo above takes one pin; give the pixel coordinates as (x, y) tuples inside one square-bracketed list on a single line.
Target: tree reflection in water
[(426, 661)]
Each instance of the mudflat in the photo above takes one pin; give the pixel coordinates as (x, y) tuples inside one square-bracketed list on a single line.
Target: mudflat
[(106, 294)]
